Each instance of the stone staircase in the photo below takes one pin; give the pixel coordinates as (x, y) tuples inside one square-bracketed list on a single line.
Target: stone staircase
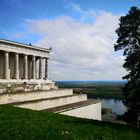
[(56, 100), (6, 98), (40, 100), (68, 107)]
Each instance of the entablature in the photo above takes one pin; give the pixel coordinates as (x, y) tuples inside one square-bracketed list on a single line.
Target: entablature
[(10, 46)]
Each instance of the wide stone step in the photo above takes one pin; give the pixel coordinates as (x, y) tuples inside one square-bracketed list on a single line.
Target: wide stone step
[(35, 95), (72, 106), (90, 109), (46, 103)]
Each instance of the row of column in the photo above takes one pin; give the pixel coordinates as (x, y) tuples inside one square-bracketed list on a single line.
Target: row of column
[(26, 69)]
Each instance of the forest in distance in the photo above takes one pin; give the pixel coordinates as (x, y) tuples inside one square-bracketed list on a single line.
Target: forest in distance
[(95, 89)]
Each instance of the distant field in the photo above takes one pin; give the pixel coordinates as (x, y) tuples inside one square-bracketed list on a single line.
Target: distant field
[(95, 89)]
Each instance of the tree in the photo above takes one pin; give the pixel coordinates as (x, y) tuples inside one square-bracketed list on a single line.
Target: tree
[(129, 41)]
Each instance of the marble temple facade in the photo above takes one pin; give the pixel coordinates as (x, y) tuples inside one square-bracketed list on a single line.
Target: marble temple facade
[(24, 64)]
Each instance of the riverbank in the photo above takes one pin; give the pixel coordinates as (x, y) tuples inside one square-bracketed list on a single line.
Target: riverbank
[(101, 92), (111, 117), (17, 123)]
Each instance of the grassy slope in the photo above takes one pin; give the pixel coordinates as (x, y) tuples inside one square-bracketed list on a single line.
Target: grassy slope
[(16, 123)]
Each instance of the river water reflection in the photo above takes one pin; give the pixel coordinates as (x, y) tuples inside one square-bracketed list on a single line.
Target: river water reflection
[(117, 106)]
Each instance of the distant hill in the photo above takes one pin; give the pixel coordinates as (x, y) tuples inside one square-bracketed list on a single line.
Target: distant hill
[(89, 83)]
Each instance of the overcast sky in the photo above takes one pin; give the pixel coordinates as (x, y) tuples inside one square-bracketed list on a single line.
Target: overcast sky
[(81, 33)]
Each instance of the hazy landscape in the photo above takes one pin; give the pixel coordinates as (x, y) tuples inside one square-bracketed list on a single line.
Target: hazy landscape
[(95, 89), (109, 92)]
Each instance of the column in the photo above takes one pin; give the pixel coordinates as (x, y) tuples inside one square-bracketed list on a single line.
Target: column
[(33, 68), (25, 66), (7, 71), (40, 68), (16, 66), (35, 65), (30, 67), (46, 68)]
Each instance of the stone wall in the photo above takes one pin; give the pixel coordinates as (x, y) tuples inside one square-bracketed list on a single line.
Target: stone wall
[(92, 111), (27, 96), (25, 86), (53, 102)]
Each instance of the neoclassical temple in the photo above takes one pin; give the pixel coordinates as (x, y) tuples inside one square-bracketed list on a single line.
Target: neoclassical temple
[(24, 64), (24, 83)]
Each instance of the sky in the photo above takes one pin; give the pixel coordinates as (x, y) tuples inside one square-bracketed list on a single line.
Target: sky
[(80, 32)]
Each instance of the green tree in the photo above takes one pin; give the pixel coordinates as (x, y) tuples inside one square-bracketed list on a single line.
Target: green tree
[(129, 41)]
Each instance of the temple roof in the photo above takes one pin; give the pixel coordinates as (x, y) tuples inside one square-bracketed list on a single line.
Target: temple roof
[(24, 45)]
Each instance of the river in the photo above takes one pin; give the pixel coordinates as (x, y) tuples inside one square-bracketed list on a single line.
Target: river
[(117, 106)]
